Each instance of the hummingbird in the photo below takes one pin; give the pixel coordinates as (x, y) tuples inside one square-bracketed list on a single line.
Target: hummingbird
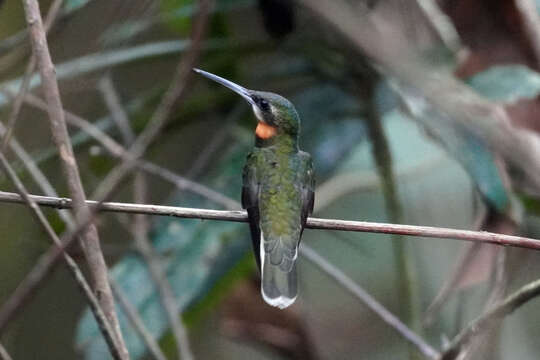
[(277, 191)]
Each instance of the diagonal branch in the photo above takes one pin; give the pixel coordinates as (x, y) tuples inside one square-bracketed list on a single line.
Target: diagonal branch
[(370, 302), (312, 223), (137, 323), (89, 237), (497, 312)]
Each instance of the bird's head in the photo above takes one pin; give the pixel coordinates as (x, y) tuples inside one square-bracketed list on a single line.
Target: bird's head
[(275, 114)]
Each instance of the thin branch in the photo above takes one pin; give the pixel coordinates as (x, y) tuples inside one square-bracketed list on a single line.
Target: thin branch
[(482, 345), (141, 226), (4, 355), (35, 173), (17, 104), (312, 223), (462, 265), (217, 141), (90, 237), (370, 302), (497, 312), (137, 323), (118, 114), (44, 266), (186, 184)]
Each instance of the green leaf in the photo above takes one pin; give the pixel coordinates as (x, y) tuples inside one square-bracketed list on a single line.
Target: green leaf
[(507, 83)]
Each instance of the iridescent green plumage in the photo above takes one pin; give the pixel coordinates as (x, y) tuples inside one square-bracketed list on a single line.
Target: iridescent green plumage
[(277, 192)]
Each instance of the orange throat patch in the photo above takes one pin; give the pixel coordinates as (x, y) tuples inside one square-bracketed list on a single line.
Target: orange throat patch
[(265, 131)]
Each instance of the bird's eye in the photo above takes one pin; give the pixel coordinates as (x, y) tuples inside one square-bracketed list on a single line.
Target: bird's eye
[(263, 104)]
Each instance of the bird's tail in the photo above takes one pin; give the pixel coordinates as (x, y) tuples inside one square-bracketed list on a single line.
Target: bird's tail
[(278, 286)]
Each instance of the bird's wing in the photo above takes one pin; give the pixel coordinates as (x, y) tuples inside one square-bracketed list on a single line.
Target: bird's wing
[(308, 190), (250, 202)]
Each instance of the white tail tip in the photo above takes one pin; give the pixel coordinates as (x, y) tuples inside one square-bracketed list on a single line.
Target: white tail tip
[(280, 302)]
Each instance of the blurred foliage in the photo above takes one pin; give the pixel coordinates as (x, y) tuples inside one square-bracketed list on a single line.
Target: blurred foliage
[(465, 147), (508, 83), (438, 168)]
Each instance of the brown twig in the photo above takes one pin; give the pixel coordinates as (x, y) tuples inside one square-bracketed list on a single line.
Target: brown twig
[(16, 108), (114, 104), (137, 322), (44, 266), (89, 237), (141, 227), (497, 312), (370, 302), (312, 223)]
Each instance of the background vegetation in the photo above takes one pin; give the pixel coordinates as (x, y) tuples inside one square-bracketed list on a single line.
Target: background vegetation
[(415, 112)]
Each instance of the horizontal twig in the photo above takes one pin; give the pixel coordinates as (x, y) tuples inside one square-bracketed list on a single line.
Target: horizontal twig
[(312, 223)]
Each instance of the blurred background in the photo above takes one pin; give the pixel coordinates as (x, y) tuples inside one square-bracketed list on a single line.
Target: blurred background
[(415, 111)]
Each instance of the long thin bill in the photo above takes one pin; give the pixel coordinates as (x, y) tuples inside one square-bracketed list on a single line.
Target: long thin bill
[(243, 92)]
